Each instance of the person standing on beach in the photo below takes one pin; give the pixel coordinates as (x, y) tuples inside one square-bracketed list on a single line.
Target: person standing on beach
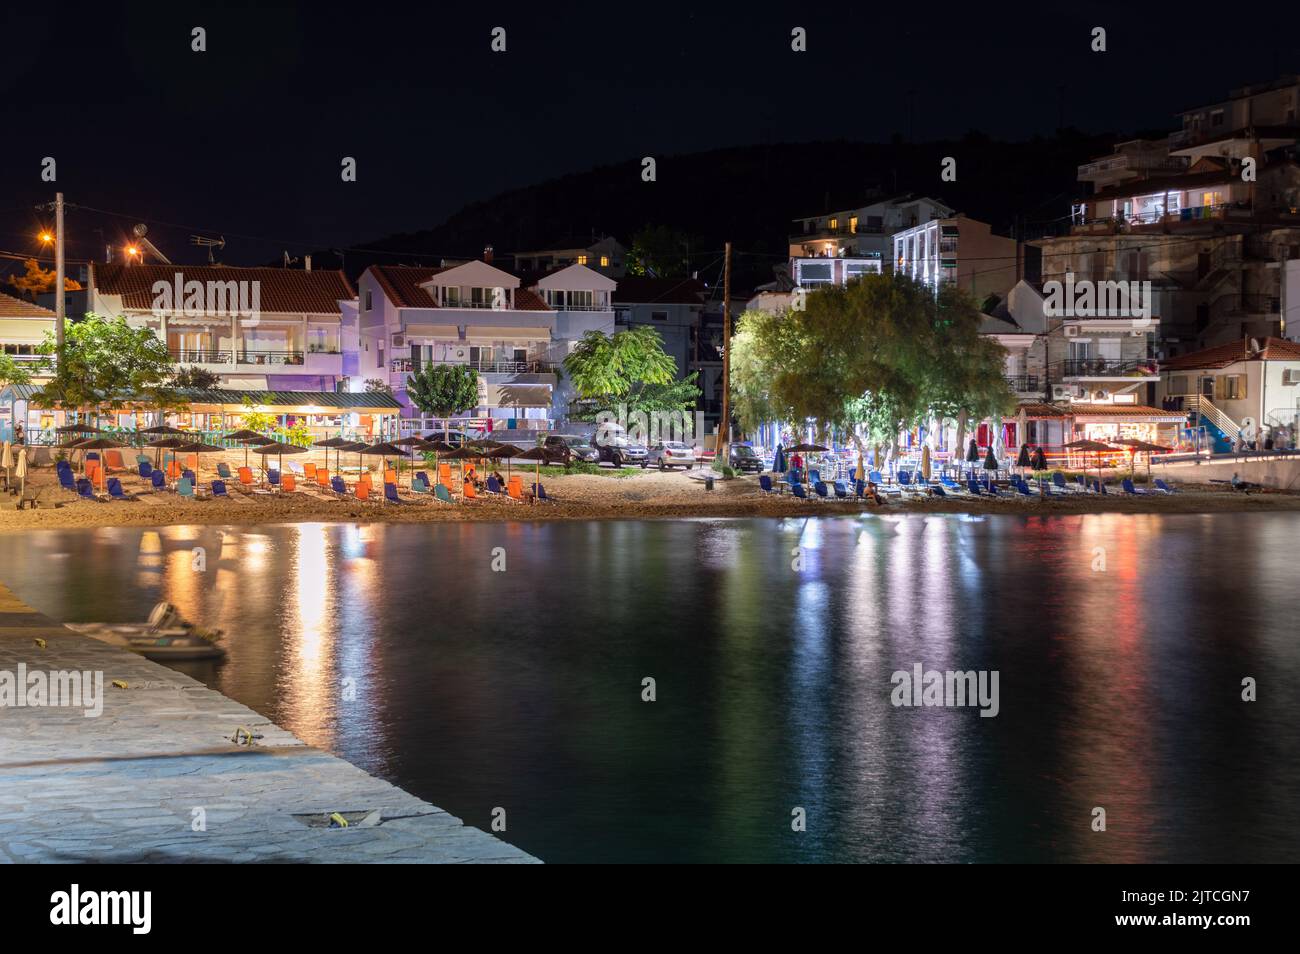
[(18, 433)]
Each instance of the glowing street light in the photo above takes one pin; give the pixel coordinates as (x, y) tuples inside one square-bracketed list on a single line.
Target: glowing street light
[(46, 238)]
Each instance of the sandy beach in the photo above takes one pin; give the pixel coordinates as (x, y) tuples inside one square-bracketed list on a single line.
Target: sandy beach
[(642, 495)]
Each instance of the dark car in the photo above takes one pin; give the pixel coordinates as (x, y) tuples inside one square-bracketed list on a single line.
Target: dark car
[(743, 458), (566, 448), (613, 445)]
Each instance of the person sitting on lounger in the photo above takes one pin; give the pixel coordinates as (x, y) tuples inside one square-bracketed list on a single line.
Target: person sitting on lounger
[(874, 493)]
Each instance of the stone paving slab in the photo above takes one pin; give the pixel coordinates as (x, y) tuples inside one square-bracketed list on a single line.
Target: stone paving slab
[(124, 786)]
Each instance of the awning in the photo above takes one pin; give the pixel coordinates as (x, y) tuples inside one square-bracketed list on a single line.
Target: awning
[(512, 333), (514, 395), (1123, 414), (432, 331)]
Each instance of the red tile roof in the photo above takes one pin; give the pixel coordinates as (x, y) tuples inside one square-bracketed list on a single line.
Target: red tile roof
[(1220, 356), (11, 307), (401, 283), (1039, 409), (638, 290), (281, 290)]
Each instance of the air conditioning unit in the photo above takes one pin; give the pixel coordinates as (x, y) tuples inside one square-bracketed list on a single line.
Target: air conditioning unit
[(399, 341), (1062, 392), (461, 354), (1100, 395), (1071, 331)]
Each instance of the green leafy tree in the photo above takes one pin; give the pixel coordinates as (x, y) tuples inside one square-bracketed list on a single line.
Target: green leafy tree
[(605, 368), (299, 434), (261, 421), (443, 390), (875, 356), (194, 378), (660, 251), (649, 399), (11, 372), (107, 365)]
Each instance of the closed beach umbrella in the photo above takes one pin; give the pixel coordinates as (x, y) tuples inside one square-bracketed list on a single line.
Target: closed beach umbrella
[(925, 462), (20, 470), (778, 460), (1023, 460), (990, 460), (7, 461), (1039, 459), (973, 453)]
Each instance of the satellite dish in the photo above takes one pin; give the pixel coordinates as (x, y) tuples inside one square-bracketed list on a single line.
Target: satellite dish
[(1255, 346), (140, 230)]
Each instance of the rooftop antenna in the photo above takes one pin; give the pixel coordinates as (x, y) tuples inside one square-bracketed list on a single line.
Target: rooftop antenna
[(289, 261), (209, 243), (141, 233)]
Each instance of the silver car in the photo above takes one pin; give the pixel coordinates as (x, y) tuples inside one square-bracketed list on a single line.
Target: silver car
[(667, 454)]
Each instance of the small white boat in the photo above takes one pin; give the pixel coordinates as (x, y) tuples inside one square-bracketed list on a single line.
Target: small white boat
[(165, 637)]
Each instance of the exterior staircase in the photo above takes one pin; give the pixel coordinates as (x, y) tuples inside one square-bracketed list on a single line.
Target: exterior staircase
[(1219, 426)]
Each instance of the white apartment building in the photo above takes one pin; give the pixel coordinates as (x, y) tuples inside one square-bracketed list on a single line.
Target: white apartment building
[(486, 318), (275, 329), (836, 247)]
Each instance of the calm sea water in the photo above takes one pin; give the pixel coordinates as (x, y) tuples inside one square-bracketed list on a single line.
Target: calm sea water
[(1119, 687)]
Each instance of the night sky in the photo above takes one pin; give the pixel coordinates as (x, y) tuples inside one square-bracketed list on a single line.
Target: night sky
[(246, 139)]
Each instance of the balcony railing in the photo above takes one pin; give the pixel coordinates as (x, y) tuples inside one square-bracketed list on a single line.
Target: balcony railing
[(1024, 383), (1106, 368), (200, 356), (407, 366), (558, 306)]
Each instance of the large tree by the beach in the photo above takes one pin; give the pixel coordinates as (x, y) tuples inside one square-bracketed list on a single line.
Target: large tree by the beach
[(883, 353)]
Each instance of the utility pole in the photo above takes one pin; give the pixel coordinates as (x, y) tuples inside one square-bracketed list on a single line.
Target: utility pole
[(724, 423), (59, 307)]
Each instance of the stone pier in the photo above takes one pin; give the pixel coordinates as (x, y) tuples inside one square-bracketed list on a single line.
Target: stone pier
[(156, 777)]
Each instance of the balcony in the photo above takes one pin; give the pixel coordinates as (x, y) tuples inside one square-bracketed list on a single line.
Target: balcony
[(199, 356), (1105, 369), (407, 366), (1136, 164), (1024, 383)]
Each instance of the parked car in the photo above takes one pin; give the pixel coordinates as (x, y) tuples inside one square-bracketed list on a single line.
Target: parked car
[(743, 458), (613, 445), (566, 448), (667, 454)]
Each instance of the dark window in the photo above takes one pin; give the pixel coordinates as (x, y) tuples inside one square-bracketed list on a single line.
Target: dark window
[(658, 316)]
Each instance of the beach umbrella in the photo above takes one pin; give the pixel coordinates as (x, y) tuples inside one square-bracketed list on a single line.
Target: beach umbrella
[(973, 454), (245, 437), (382, 450), (336, 443), (407, 442), (20, 471), (98, 443), (7, 461), (778, 460), (436, 447), (925, 462), (806, 449), (162, 429), (352, 447), (1143, 447), (79, 429), (279, 448), (461, 454), (199, 447), (536, 454), (1087, 446), (503, 452)]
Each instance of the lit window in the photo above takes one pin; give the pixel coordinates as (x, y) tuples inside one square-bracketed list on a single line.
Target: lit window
[(582, 260), (835, 223), (604, 261), (853, 225)]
